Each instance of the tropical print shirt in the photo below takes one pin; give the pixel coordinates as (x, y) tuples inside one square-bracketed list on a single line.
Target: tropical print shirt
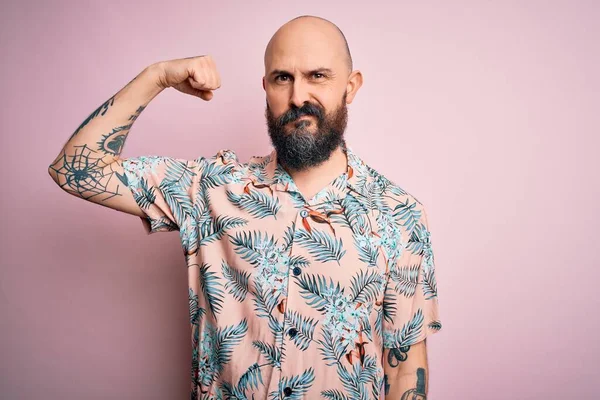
[(292, 298)]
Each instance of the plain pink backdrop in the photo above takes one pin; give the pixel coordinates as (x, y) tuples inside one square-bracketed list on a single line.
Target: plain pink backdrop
[(493, 106)]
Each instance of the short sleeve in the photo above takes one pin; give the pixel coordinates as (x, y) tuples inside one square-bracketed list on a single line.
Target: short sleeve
[(164, 189), (410, 306)]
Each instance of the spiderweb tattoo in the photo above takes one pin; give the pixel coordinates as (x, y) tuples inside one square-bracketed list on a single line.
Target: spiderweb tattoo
[(85, 175)]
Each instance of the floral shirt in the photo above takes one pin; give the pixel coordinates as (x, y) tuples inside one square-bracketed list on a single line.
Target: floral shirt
[(290, 297)]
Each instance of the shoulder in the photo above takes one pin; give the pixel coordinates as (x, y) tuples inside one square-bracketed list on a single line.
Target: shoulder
[(390, 189), (391, 199)]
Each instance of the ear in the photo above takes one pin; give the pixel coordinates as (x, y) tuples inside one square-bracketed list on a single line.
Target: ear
[(355, 81), (263, 83)]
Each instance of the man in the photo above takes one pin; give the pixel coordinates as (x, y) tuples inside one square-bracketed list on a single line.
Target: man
[(311, 275)]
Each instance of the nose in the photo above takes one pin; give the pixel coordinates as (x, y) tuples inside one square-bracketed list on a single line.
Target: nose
[(300, 93)]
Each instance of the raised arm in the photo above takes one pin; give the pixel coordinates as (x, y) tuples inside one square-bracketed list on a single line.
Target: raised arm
[(89, 164)]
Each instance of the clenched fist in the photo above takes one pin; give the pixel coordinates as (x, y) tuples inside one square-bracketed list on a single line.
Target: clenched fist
[(197, 76)]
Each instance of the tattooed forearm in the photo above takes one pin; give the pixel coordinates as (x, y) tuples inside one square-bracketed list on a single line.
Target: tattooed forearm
[(397, 355), (418, 393), (87, 163), (112, 143), (98, 111), (86, 175)]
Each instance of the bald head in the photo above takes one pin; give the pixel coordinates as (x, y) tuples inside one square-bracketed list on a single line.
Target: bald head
[(308, 36)]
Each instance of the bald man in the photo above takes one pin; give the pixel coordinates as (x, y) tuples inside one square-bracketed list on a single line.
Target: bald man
[(310, 274)]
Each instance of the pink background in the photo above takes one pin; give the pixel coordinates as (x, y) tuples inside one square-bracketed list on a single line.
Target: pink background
[(493, 106)]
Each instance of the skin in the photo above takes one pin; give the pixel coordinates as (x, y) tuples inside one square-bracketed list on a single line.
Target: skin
[(306, 61)]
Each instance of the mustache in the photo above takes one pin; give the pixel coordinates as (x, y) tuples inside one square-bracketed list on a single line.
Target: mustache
[(296, 112)]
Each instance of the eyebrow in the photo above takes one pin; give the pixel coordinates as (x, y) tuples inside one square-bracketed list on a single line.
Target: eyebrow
[(284, 72)]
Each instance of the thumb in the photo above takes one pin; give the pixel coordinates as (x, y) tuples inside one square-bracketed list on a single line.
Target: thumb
[(206, 94)]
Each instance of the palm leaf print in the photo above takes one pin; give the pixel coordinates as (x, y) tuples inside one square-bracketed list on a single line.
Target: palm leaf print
[(196, 312), (321, 245), (298, 383), (146, 197), (389, 306), (298, 261), (408, 214), (230, 393), (305, 327), (214, 175), (227, 339), (365, 287), (379, 322), (429, 284), (355, 381), (216, 228), (435, 325), (415, 244), (353, 215), (317, 292), (211, 287), (271, 353), (288, 237), (406, 279), (332, 350), (250, 379), (367, 251), (374, 198), (410, 331), (178, 172), (297, 200), (334, 394), (250, 245), (265, 302), (178, 200), (257, 204), (237, 281)]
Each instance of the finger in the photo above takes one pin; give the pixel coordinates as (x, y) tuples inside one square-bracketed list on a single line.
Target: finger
[(206, 95), (197, 82)]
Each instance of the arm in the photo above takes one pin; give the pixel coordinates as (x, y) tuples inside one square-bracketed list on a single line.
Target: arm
[(406, 372), (88, 166)]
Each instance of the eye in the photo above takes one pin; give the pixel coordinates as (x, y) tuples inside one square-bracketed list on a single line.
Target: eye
[(320, 75), (280, 76)]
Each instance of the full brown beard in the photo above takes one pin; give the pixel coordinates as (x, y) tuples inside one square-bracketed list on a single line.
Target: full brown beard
[(298, 148)]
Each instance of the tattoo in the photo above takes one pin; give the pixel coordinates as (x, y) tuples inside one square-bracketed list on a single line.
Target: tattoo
[(84, 174), (112, 143), (397, 355), (98, 111), (417, 393), (386, 384)]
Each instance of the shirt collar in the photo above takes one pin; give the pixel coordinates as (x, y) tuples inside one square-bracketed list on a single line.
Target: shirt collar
[(270, 172)]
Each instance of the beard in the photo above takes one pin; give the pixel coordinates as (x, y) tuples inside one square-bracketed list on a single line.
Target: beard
[(297, 147)]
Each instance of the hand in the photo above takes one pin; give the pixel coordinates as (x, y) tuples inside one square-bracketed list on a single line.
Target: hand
[(197, 76)]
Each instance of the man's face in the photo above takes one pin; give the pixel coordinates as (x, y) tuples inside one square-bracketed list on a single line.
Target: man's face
[(306, 82)]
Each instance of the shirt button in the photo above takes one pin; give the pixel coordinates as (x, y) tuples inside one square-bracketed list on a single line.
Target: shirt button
[(287, 391), (297, 271), (304, 213), (293, 332)]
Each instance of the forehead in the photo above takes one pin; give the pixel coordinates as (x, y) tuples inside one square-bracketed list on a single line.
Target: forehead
[(307, 51)]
